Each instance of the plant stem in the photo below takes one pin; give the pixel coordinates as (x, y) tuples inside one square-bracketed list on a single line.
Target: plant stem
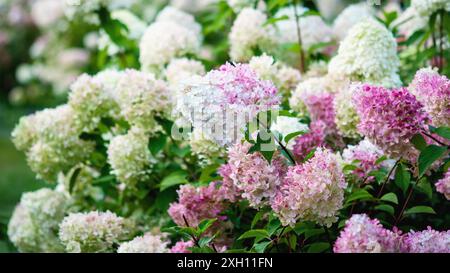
[(299, 35), (193, 237), (397, 220), (387, 178)]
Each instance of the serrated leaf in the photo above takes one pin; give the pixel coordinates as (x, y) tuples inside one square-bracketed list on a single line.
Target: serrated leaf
[(390, 197), (255, 233), (420, 209), (428, 156)]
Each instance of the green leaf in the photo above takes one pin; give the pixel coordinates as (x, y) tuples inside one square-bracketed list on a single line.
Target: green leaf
[(173, 179), (360, 194), (313, 232), (425, 187), (318, 247), (257, 217), (292, 135), (386, 208), (207, 173), (261, 247), (442, 131), (381, 159), (419, 142), (428, 156), (73, 179), (420, 209), (402, 178), (205, 224), (390, 197), (157, 143), (274, 20), (204, 241), (255, 233), (273, 226)]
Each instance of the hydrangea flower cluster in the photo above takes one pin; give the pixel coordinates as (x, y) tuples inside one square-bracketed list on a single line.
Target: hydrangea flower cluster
[(368, 54), (148, 243), (221, 102), (313, 191), (92, 231), (35, 221), (364, 235), (433, 91), (427, 241), (346, 117), (309, 87), (205, 149), (349, 17), (365, 154), (247, 33), (173, 34), (130, 157), (181, 69), (389, 118), (443, 185), (255, 179), (197, 204)]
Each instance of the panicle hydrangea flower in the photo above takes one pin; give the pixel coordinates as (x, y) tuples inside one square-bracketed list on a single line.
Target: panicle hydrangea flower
[(433, 91), (172, 14), (229, 190), (389, 118), (182, 247), (224, 100), (426, 8), (366, 154), (285, 78), (89, 101), (313, 29), (312, 191), (165, 40), (320, 107), (368, 54), (24, 134), (181, 69), (35, 220), (305, 143), (364, 235), (148, 243), (130, 157), (427, 241), (307, 88), (288, 125), (349, 17), (141, 97), (196, 204), (247, 33), (92, 231), (346, 117), (253, 176), (443, 185)]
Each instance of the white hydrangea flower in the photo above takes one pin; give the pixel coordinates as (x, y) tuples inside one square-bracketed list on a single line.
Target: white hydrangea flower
[(34, 223), (427, 7), (368, 54), (238, 5), (311, 86), (247, 33), (173, 34), (148, 243), (182, 69), (346, 117), (313, 29), (350, 16), (141, 97), (288, 125), (92, 231), (130, 157)]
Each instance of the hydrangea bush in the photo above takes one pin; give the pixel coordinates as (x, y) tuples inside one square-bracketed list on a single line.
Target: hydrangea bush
[(243, 126)]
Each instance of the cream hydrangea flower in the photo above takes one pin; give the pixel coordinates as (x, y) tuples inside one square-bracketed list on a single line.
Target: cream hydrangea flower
[(350, 16), (148, 243)]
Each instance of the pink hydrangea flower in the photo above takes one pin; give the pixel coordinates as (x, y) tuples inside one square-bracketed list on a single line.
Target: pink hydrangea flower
[(313, 191), (196, 204), (443, 185), (427, 241), (389, 118), (321, 107), (182, 247), (305, 143), (251, 176), (364, 235), (433, 90)]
